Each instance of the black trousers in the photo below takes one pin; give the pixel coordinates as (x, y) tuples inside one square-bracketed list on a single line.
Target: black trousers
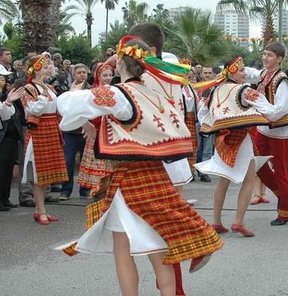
[(8, 156)]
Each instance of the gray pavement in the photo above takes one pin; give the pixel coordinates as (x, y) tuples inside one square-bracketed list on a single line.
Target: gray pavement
[(30, 265)]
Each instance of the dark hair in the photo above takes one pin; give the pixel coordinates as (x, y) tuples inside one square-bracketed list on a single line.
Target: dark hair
[(133, 66), (3, 49), (277, 47), (151, 34)]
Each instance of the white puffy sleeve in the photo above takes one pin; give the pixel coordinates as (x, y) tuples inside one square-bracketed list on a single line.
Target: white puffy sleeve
[(37, 108), (6, 111), (252, 75), (260, 103), (78, 107)]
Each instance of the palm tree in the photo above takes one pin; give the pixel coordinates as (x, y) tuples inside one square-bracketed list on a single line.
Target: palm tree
[(8, 10), (134, 13), (263, 8), (195, 37), (38, 23), (109, 5), (160, 15), (84, 8)]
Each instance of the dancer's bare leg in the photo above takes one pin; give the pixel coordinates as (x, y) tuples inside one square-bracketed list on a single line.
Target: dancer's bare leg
[(164, 274), (245, 193), (125, 266), (219, 198), (39, 196)]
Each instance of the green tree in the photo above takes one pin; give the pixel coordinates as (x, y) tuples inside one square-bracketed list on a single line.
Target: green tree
[(194, 36), (160, 14), (134, 13), (257, 8), (76, 48), (84, 8), (109, 5)]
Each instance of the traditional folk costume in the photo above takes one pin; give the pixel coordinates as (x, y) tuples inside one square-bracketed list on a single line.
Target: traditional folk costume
[(273, 139), (230, 111), (94, 172), (44, 146), (139, 128), (179, 171)]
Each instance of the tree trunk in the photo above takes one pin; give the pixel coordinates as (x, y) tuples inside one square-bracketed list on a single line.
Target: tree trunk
[(107, 17), (89, 22), (269, 33)]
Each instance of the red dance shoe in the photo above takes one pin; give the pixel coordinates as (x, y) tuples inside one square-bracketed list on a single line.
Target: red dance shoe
[(52, 218), (38, 218), (219, 228), (242, 230), (257, 199), (199, 262)]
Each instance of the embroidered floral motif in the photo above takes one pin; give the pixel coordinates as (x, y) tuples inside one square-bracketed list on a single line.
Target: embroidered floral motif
[(226, 110), (159, 123), (104, 96), (181, 105), (174, 118), (251, 94)]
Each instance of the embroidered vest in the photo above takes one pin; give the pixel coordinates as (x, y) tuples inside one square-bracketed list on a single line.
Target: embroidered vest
[(156, 131), (172, 92), (226, 110), (269, 88)]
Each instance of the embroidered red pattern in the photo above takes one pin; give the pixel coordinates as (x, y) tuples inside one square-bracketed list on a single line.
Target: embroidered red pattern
[(175, 119), (159, 123), (103, 96), (251, 94), (226, 110)]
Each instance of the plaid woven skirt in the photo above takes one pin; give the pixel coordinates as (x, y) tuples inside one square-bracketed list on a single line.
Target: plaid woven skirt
[(93, 171), (48, 151), (149, 193)]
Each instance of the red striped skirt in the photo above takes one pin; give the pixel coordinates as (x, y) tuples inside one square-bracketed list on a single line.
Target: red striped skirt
[(48, 151), (149, 193)]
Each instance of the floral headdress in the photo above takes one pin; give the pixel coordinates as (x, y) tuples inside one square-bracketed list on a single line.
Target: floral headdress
[(231, 68), (167, 71), (37, 66)]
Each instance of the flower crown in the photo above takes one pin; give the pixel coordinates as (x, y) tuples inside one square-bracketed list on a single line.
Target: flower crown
[(36, 66), (133, 51), (234, 66)]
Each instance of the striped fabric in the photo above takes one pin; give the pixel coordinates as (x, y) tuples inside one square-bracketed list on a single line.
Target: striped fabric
[(190, 122), (48, 151), (227, 144), (92, 170), (149, 193)]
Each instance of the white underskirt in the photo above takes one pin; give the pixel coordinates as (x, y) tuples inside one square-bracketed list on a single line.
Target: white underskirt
[(179, 171), (216, 166), (142, 237), (29, 157)]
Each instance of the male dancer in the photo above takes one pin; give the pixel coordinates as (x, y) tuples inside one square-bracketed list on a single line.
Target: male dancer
[(273, 140)]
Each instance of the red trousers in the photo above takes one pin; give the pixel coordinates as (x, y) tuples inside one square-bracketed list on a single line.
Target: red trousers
[(277, 179)]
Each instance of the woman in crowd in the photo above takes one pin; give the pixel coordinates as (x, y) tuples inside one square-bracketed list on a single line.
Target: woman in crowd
[(232, 108), (143, 212), (93, 171), (44, 162)]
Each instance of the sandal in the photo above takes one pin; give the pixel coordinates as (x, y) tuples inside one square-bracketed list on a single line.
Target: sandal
[(264, 199), (256, 199)]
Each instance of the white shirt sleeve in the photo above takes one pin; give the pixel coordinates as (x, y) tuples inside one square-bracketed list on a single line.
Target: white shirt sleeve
[(252, 75), (37, 108), (6, 111), (202, 113), (261, 104), (78, 107)]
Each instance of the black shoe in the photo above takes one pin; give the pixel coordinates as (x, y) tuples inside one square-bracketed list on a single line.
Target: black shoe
[(3, 208), (9, 204), (205, 178), (278, 222), (29, 203)]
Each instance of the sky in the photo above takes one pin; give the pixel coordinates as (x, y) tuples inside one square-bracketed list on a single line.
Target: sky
[(99, 14)]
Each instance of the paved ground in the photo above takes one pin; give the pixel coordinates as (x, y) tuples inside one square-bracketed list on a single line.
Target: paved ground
[(30, 265)]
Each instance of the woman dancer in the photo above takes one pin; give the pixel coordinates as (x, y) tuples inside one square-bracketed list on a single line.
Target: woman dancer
[(143, 212), (44, 162), (232, 108)]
